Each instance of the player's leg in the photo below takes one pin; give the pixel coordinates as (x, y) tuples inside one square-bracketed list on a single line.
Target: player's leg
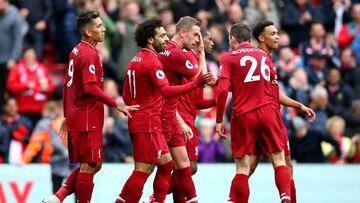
[(292, 183), (162, 178), (84, 181), (239, 191), (282, 176), (254, 161), (133, 187), (182, 176)]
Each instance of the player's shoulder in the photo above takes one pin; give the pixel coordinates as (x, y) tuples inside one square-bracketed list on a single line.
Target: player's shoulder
[(84, 49)]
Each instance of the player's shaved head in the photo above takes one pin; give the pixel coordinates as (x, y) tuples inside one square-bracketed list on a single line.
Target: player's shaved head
[(241, 32), (84, 19), (187, 23)]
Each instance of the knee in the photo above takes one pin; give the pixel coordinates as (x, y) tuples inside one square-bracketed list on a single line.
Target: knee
[(97, 167)]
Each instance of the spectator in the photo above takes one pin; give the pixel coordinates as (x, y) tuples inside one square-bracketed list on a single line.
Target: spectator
[(30, 82), (350, 33), (37, 13), (320, 42), (260, 10), (287, 63), (296, 18), (211, 147), (298, 88), (353, 119), (319, 103), (316, 69), (305, 144), (350, 70), (124, 38), (12, 31), (19, 128), (340, 95), (336, 127), (4, 143)]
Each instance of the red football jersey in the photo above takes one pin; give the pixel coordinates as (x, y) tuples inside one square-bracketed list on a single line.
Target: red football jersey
[(83, 112), (144, 75), (273, 87), (247, 69), (176, 66), (187, 102)]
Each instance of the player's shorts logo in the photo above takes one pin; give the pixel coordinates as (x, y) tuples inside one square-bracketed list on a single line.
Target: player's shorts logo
[(189, 65), (92, 69), (160, 74)]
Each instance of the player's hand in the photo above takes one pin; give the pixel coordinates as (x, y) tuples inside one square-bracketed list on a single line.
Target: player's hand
[(204, 79), (63, 130), (187, 132), (309, 112), (220, 130), (201, 47), (125, 109)]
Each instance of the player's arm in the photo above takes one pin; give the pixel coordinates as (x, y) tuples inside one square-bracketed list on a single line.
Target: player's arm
[(202, 103), (187, 131), (201, 52), (287, 101), (223, 85)]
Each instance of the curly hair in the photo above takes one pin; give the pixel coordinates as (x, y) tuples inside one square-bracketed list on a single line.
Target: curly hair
[(146, 30)]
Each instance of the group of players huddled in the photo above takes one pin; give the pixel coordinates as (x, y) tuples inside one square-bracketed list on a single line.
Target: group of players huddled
[(162, 91)]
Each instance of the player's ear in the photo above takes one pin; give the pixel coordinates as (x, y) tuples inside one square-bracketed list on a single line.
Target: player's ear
[(261, 38), (87, 32), (151, 40), (183, 32)]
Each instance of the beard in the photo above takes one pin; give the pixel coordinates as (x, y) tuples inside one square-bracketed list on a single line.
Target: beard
[(159, 47)]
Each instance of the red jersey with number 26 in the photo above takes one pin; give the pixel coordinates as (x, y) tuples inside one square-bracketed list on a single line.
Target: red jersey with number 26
[(247, 69), (83, 112), (144, 74), (176, 66)]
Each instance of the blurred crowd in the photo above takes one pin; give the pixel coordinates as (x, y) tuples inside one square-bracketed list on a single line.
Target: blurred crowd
[(318, 62)]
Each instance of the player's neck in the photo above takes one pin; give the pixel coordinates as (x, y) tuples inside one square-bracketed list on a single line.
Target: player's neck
[(90, 41), (178, 40), (265, 48)]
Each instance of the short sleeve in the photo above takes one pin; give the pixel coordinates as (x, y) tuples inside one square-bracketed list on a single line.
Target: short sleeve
[(184, 65), (90, 64), (157, 75), (225, 69)]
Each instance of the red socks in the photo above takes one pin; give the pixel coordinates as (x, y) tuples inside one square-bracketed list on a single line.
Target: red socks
[(84, 187), (282, 181), (161, 181), (293, 191), (68, 187), (239, 191), (184, 184), (133, 187)]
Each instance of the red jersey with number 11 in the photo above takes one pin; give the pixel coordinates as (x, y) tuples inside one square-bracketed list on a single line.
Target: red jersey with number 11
[(144, 74)]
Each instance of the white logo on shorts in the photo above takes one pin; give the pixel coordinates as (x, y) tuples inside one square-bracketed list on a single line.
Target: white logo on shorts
[(92, 69), (196, 151), (99, 153)]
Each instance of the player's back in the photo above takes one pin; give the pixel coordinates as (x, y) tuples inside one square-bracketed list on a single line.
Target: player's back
[(143, 76), (81, 108), (249, 73)]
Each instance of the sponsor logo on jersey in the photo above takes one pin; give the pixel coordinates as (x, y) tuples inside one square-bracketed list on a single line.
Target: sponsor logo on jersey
[(166, 53), (189, 65), (160, 74), (92, 69)]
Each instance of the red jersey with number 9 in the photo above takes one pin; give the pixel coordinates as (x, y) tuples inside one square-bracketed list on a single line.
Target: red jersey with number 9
[(247, 68), (144, 74), (82, 111)]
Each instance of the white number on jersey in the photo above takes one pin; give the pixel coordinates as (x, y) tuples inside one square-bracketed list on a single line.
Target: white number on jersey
[(70, 72), (264, 68), (132, 84)]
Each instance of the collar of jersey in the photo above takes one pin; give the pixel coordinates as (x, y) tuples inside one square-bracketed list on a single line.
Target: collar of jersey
[(150, 50), (83, 41)]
